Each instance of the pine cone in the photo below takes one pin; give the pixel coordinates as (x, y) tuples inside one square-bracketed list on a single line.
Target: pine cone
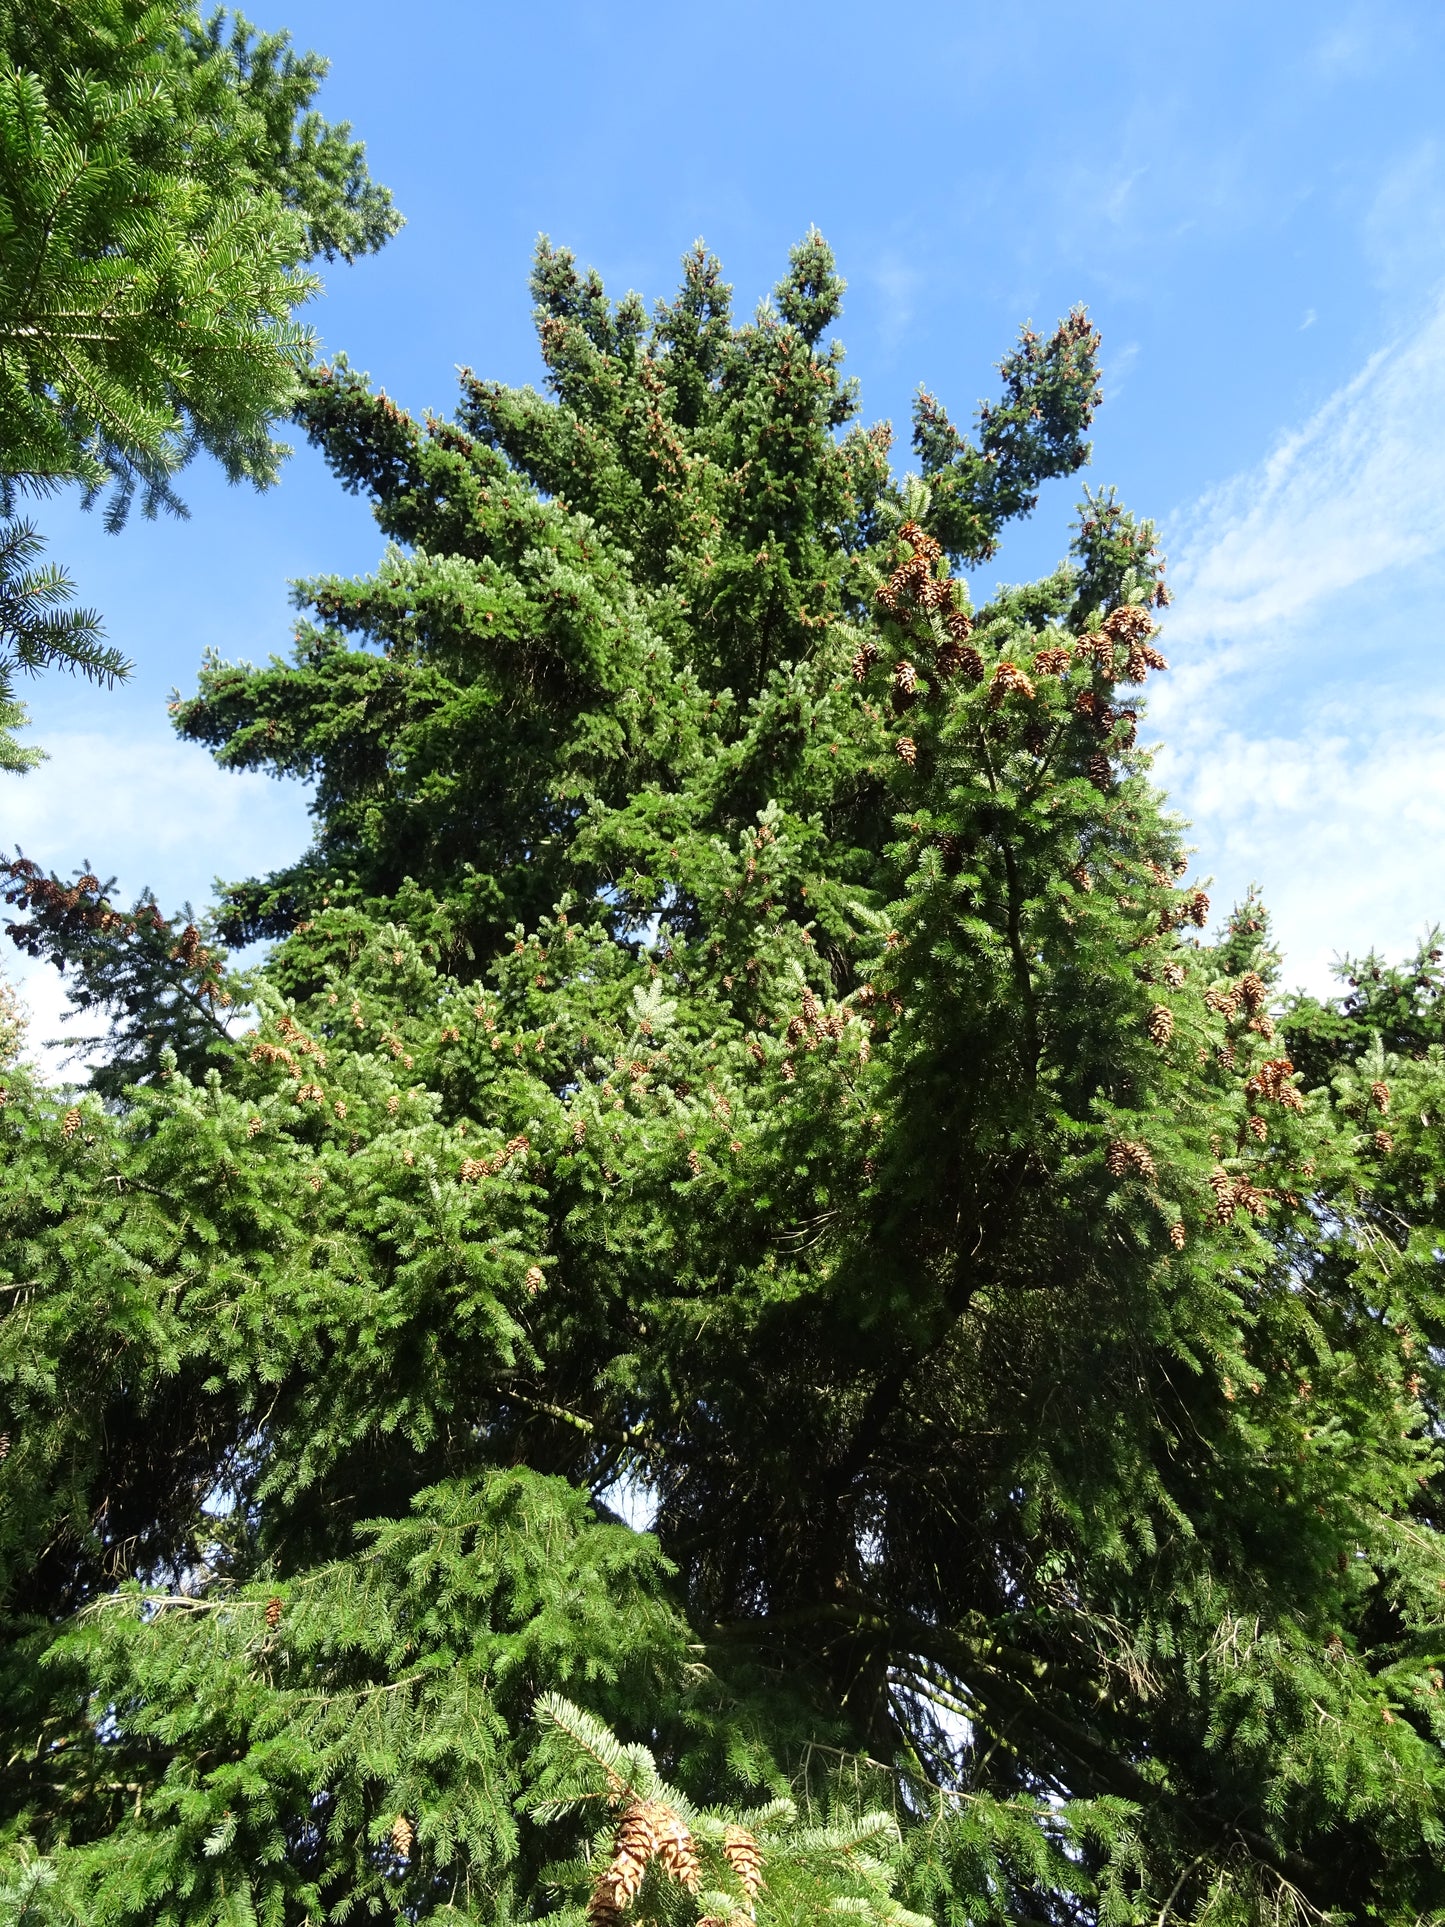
[(1176, 1235), (744, 1856), (70, 1123), (1008, 679), (1101, 771), (1255, 1202), (676, 1852), (1051, 662), (954, 657), (1258, 1129), (533, 1280), (1224, 1189), (1141, 660), (1380, 1097), (273, 1614), (905, 679), (864, 660), (1252, 990), (1197, 910), (1223, 1001), (639, 1836), (920, 541), (603, 1907), (1128, 623), (1128, 1154), (403, 1836), (1161, 1024), (1173, 975), (1080, 878), (907, 751), (1098, 648), (1383, 1143)]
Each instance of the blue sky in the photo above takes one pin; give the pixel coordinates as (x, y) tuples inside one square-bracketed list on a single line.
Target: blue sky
[(1251, 200)]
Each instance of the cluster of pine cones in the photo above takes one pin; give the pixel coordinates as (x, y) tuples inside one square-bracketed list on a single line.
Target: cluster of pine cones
[(1272, 1082), (1127, 1155), (474, 1168), (651, 1831), (1237, 1194)]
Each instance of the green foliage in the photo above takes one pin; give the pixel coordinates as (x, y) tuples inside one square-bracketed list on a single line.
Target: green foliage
[(1401, 1006), (743, 1046), (847, 1863), (38, 630), (162, 185)]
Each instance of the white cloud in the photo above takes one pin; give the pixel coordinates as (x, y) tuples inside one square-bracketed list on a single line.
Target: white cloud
[(1359, 489), (146, 805), (1305, 720)]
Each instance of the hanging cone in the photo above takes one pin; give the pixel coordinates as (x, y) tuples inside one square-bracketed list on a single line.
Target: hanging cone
[(1252, 990), (676, 1852), (744, 1856)]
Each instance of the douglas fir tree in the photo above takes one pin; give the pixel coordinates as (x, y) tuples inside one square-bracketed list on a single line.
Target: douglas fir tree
[(743, 1045)]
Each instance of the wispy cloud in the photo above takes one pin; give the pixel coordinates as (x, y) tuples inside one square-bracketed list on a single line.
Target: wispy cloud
[(1305, 723), (145, 805), (1357, 490)]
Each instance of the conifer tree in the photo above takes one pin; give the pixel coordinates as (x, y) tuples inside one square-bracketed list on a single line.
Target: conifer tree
[(745, 1043)]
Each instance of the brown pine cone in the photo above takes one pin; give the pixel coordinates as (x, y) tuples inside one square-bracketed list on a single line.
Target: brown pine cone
[(1008, 679), (1252, 990), (638, 1839), (676, 1851), (744, 1856)]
